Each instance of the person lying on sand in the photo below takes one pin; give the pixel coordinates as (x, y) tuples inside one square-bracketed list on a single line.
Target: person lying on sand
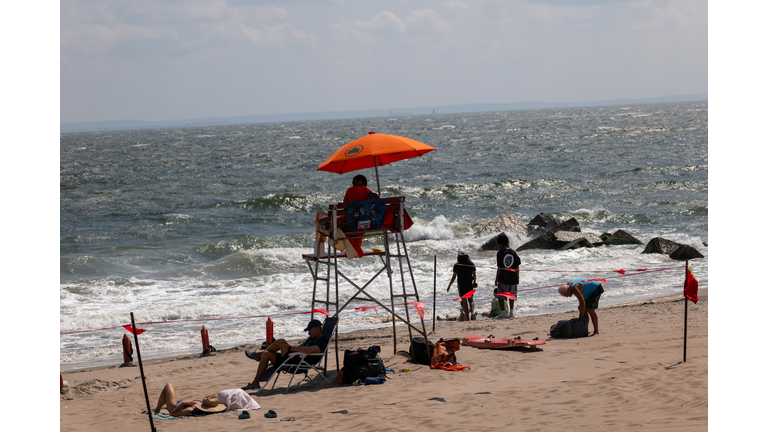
[(186, 407), (588, 294), (276, 352)]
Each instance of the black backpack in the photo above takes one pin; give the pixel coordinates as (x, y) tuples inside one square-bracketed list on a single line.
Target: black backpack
[(419, 352), (359, 364), (572, 328)]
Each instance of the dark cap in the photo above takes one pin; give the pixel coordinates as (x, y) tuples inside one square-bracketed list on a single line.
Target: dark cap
[(313, 323)]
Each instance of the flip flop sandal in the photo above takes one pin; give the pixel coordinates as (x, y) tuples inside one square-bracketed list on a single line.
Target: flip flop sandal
[(270, 414), (289, 419), (244, 415)]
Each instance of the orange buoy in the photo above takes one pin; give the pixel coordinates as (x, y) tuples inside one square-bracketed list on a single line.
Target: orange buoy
[(204, 336), (270, 331)]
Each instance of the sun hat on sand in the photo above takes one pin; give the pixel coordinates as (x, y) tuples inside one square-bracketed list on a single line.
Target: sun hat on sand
[(210, 405)]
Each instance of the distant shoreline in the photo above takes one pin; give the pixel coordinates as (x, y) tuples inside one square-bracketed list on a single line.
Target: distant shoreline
[(109, 125)]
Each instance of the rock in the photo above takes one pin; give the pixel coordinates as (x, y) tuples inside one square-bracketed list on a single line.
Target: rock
[(544, 220), (491, 244), (685, 252), (569, 236), (661, 246), (578, 243), (549, 239), (620, 237), (508, 223)]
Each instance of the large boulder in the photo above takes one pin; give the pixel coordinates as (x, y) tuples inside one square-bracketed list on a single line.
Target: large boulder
[(620, 237), (549, 240), (661, 246), (685, 252), (506, 222), (544, 220)]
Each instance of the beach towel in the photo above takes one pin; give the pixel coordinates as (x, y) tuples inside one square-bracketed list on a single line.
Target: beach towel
[(449, 367), (162, 415), (237, 399)]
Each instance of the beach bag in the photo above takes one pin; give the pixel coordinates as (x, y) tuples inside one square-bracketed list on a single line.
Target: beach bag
[(572, 328), (419, 352), (359, 365), (445, 351)]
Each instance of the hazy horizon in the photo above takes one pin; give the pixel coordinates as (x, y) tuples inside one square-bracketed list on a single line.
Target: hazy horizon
[(154, 61)]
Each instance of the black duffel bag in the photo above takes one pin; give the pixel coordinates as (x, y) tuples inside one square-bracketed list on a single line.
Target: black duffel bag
[(572, 328), (359, 364), (421, 350)]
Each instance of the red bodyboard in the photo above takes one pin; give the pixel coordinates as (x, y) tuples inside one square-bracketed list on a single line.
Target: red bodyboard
[(478, 341)]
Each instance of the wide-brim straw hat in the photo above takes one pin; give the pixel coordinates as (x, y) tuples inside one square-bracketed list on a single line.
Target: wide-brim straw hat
[(211, 405)]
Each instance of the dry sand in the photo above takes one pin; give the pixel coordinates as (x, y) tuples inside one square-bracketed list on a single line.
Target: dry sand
[(630, 377)]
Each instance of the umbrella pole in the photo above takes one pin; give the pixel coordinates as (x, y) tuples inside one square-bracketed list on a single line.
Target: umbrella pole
[(376, 167)]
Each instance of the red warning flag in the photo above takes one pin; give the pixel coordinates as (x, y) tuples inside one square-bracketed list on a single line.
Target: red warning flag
[(419, 308), (508, 295), (691, 286), (466, 296), (130, 329), (620, 271), (365, 308), (322, 311)]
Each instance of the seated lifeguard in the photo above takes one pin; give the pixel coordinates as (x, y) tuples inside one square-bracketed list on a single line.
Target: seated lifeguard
[(359, 190), (276, 352)]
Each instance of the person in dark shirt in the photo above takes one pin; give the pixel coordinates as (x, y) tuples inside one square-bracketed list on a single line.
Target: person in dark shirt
[(276, 352), (507, 268), (464, 269)]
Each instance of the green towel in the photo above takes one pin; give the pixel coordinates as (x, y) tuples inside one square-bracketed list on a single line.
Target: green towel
[(162, 415)]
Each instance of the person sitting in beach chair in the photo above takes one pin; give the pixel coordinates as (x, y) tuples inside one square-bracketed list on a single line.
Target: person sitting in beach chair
[(187, 407), (588, 294), (278, 350)]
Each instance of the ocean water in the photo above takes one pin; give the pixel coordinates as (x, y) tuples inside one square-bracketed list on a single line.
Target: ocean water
[(196, 223)]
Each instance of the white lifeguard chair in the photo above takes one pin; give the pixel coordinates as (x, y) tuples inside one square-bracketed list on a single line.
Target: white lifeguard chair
[(333, 276)]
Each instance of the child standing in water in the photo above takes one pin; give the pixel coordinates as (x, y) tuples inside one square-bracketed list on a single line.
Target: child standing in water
[(465, 270)]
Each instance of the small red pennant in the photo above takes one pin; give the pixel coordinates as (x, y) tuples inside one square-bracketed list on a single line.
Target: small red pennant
[(322, 311), (508, 295), (466, 296), (130, 329), (365, 308)]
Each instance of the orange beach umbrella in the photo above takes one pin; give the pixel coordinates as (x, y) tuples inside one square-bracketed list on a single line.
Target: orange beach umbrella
[(373, 151)]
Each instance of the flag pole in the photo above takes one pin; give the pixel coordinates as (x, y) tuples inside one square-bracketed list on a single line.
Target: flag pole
[(434, 296), (685, 327), (141, 369)]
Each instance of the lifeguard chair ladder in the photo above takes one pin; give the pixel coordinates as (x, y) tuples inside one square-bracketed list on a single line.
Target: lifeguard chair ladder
[(396, 205)]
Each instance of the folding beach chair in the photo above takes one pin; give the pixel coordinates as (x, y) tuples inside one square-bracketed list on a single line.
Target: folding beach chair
[(329, 327)]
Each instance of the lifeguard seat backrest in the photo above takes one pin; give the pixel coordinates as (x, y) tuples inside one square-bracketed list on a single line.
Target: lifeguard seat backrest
[(363, 215)]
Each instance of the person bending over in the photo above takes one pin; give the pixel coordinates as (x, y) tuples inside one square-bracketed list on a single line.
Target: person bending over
[(275, 353), (588, 294), (506, 279)]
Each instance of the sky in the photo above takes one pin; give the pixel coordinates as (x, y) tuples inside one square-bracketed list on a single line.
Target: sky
[(180, 59)]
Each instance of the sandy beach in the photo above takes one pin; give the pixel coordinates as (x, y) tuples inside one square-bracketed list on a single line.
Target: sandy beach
[(630, 377)]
